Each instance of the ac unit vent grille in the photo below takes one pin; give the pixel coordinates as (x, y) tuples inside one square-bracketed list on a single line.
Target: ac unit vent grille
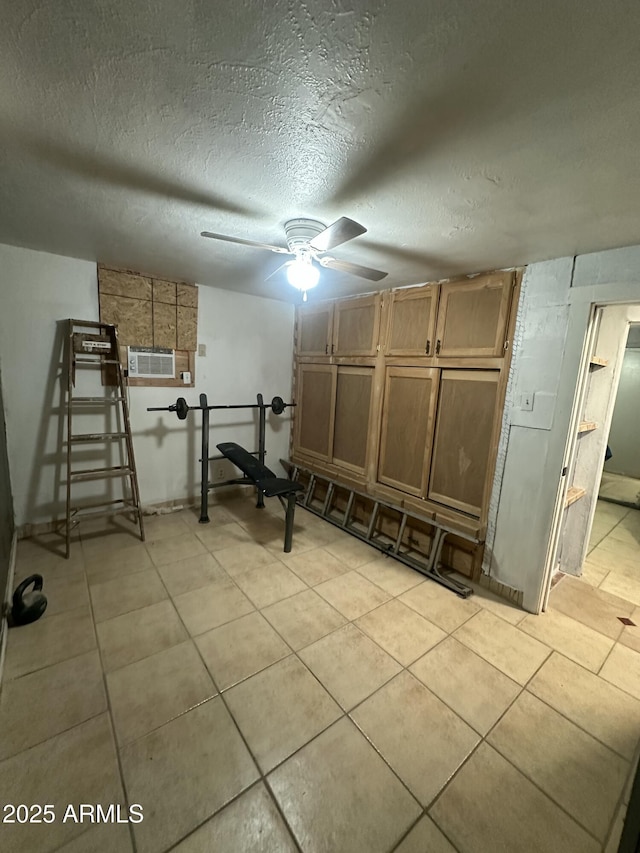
[(150, 363)]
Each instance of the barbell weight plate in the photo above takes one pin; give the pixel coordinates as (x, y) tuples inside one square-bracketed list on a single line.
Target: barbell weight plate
[(182, 409), (278, 405)]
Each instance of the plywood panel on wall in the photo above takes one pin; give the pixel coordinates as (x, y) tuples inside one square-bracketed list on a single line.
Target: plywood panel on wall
[(407, 425), (119, 283), (133, 317), (352, 415), (463, 438), (187, 328), (187, 294), (164, 291), (315, 412), (152, 313), (165, 325)]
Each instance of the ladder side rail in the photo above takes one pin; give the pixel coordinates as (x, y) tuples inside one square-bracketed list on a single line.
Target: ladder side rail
[(70, 383), (131, 460)]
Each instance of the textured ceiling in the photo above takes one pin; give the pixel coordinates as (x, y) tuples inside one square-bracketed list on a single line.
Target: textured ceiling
[(464, 135)]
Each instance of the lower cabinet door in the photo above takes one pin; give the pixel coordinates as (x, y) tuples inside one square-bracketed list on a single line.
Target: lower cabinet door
[(314, 413), (462, 446), (352, 417), (408, 407)]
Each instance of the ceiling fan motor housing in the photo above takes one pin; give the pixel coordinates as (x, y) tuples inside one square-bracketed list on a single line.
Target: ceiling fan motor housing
[(300, 231)]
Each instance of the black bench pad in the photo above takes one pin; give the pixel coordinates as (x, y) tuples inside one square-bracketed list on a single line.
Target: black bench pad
[(252, 468)]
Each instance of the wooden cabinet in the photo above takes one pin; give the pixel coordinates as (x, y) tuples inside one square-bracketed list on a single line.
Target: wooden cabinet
[(401, 392), (315, 410), (412, 321), (408, 408), (462, 446), (352, 416), (347, 327), (315, 327), (472, 317), (356, 326), (333, 414)]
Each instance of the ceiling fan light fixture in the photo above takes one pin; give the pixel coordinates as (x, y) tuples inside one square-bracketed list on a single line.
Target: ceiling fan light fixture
[(302, 274)]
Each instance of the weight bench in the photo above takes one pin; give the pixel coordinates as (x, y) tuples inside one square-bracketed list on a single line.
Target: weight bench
[(266, 482)]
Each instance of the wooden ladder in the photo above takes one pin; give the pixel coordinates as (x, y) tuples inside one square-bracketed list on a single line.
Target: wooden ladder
[(95, 345)]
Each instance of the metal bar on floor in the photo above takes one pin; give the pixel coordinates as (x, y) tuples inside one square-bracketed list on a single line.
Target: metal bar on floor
[(428, 566), (349, 509), (403, 524), (327, 500)]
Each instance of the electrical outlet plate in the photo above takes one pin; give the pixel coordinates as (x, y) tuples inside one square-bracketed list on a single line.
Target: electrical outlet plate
[(186, 377)]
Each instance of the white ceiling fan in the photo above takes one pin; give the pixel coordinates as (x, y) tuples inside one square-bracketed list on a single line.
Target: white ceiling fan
[(307, 241)]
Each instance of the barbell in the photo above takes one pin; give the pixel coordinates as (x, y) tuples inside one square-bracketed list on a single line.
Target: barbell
[(182, 408)]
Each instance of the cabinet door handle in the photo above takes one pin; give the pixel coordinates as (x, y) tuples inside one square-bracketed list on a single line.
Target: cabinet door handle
[(333, 348), (438, 346), (326, 349), (427, 348)]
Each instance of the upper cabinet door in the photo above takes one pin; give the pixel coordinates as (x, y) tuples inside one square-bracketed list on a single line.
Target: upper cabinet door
[(356, 325), (412, 320), (410, 395), (473, 316), (315, 324), (314, 414), (463, 443)]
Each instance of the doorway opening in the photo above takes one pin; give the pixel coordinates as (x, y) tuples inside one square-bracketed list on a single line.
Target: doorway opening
[(580, 516), (620, 483)]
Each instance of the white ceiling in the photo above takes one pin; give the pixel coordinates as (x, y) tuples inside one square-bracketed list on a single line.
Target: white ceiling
[(464, 135)]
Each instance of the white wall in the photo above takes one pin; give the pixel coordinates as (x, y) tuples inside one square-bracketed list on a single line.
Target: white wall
[(624, 435), (554, 314), (6, 517), (522, 501), (249, 344)]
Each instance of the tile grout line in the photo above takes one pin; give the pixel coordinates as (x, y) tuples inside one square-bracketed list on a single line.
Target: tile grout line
[(380, 687), (261, 775), (484, 739), (403, 668), (523, 773), (344, 714), (112, 725), (54, 663), (578, 726), (546, 793), (601, 667)]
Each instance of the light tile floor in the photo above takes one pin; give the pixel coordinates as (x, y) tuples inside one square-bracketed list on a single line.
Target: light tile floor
[(613, 558), (618, 487), (325, 700)]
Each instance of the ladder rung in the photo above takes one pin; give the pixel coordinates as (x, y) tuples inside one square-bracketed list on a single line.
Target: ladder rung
[(108, 513), (90, 324), (98, 436), (93, 363), (80, 514), (100, 473), (103, 400), (98, 505)]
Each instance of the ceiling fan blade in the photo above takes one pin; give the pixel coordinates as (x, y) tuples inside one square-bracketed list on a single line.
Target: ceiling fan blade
[(353, 269), (278, 269), (242, 242), (338, 232)]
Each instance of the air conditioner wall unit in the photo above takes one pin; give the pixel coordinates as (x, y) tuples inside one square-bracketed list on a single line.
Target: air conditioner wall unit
[(151, 363)]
